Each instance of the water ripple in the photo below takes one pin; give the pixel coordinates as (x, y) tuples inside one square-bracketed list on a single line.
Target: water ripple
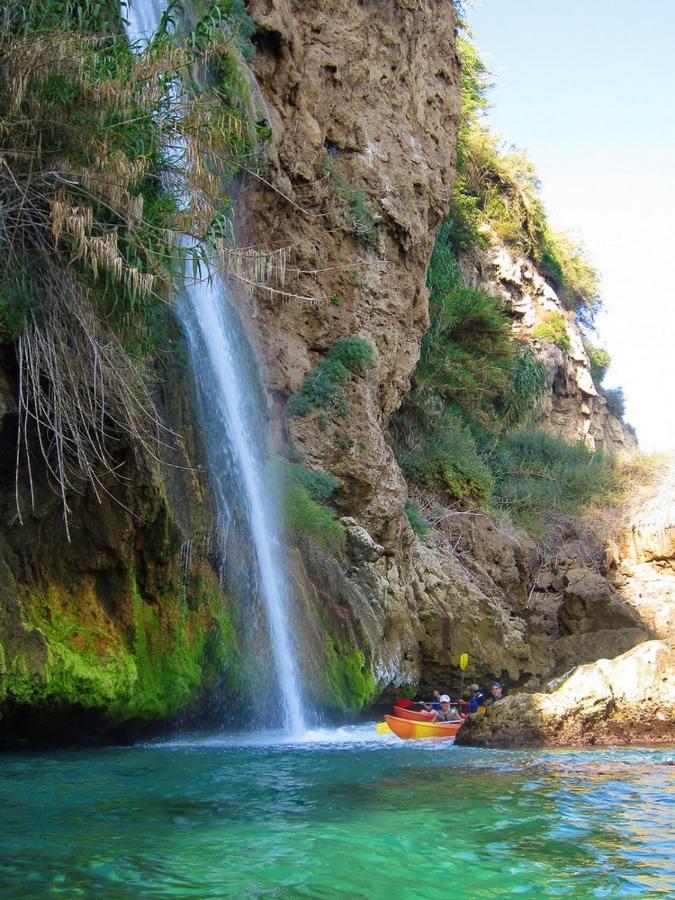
[(342, 812)]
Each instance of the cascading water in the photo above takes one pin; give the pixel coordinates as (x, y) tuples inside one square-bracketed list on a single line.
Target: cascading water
[(234, 430)]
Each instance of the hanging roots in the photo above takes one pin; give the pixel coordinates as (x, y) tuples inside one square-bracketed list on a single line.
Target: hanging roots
[(259, 270), (79, 394)]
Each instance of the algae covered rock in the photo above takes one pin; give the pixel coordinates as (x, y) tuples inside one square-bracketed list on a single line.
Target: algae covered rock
[(146, 663)]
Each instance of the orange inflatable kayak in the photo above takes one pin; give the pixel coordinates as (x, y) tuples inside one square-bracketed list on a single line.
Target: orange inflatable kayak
[(414, 731), (413, 715)]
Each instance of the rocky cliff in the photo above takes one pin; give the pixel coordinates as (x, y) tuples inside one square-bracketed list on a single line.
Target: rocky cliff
[(363, 99), (642, 560), (129, 622), (573, 406), (364, 111), (363, 103)]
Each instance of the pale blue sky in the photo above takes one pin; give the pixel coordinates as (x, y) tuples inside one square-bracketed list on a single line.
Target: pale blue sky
[(586, 87)]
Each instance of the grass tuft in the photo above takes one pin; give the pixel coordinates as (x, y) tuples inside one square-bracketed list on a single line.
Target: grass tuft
[(553, 330), (322, 388)]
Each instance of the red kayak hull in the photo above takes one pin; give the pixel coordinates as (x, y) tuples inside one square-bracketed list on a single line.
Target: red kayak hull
[(414, 715)]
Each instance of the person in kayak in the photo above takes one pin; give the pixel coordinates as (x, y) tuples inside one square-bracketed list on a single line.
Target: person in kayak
[(433, 705), (448, 713), (477, 698), (496, 693)]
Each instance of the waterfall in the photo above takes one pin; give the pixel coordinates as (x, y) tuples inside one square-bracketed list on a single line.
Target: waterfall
[(234, 431)]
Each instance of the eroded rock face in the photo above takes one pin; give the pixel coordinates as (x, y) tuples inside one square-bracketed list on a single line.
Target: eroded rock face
[(414, 613), (363, 99), (644, 571), (629, 699), (572, 407)]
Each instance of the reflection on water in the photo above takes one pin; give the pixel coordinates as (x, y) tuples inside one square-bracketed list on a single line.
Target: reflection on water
[(338, 813)]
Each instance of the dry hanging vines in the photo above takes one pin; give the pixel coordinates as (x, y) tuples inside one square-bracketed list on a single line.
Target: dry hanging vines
[(80, 395), (110, 179)]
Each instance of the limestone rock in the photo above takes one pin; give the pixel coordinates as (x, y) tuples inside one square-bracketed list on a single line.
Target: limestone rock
[(363, 100), (572, 407), (645, 575), (412, 614), (590, 604), (629, 699)]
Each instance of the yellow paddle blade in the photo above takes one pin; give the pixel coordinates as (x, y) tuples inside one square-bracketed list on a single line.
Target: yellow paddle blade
[(382, 728), (463, 661)]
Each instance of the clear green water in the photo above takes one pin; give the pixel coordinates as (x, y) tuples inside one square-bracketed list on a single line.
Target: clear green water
[(342, 814)]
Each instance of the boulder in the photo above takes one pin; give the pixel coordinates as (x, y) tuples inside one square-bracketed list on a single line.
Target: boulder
[(629, 699)]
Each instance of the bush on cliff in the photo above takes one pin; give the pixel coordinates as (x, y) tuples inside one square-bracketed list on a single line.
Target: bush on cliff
[(537, 474), (497, 188), (600, 361), (553, 330), (435, 449), (323, 386), (616, 403), (565, 263), (417, 521), (305, 494), (468, 355)]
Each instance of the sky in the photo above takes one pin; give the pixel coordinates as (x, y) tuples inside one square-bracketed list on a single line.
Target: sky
[(586, 87)]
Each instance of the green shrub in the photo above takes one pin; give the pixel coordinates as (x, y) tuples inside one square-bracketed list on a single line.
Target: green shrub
[(600, 361), (304, 516), (319, 485), (505, 185), (553, 330), (353, 353), (304, 493), (436, 449), (94, 199), (537, 474), (565, 263), (85, 146), (444, 273), (616, 403), (498, 186), (520, 405), (468, 355), (322, 387), (417, 521), (474, 83)]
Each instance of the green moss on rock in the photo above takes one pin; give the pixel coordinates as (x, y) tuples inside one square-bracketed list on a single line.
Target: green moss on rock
[(148, 663), (349, 681)]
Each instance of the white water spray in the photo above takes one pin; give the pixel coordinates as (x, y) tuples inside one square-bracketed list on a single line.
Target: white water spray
[(211, 327)]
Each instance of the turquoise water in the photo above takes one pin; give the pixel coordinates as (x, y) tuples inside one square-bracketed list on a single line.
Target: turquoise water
[(344, 813)]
